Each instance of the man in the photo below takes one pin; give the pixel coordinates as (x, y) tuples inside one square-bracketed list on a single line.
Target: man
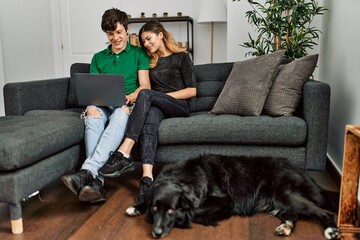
[(105, 126)]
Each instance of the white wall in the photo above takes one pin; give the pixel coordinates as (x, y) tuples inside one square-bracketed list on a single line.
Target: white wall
[(340, 67), (2, 78), (26, 39), (238, 29)]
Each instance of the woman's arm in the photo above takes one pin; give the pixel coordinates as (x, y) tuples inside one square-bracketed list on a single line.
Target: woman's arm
[(185, 93)]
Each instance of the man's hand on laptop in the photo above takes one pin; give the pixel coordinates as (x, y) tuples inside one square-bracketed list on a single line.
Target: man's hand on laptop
[(130, 100)]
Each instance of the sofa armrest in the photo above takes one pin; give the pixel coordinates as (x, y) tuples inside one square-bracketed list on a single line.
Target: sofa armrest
[(316, 110), (50, 94)]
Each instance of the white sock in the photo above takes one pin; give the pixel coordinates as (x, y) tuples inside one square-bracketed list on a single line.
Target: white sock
[(124, 154)]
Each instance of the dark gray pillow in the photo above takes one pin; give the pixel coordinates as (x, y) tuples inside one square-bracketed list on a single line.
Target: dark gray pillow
[(286, 91), (72, 101), (248, 84)]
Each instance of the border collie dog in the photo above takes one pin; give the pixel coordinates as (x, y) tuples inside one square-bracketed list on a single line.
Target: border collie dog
[(211, 188)]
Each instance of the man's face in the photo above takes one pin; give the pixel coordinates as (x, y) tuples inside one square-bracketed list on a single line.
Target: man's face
[(117, 38)]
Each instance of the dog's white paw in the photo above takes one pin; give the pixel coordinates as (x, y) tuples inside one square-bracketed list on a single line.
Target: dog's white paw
[(274, 212), (284, 229), (132, 211), (332, 233)]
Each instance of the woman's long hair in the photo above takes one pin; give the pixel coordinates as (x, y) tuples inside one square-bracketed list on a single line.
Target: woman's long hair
[(156, 27)]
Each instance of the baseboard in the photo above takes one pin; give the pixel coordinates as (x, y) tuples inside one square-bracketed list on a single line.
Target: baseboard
[(333, 172)]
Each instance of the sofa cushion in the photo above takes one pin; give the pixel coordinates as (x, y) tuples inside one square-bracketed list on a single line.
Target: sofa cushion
[(248, 84), (233, 129), (286, 91), (28, 139), (75, 112)]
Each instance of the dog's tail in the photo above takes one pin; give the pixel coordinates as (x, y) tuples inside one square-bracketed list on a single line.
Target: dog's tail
[(331, 200)]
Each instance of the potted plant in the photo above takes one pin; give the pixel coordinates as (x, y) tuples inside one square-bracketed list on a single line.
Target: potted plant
[(283, 24)]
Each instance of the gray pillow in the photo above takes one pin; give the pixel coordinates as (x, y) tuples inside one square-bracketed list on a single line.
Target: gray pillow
[(72, 101), (248, 84), (286, 91)]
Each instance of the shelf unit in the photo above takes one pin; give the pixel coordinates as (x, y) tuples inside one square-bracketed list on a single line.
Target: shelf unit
[(186, 19)]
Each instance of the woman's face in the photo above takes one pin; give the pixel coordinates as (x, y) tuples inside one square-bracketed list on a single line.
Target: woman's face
[(117, 38), (152, 42)]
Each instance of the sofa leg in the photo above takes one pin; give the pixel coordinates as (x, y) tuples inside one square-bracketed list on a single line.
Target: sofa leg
[(16, 218), (17, 226)]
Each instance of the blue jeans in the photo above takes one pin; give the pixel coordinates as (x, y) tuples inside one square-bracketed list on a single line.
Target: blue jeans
[(150, 109), (102, 136)]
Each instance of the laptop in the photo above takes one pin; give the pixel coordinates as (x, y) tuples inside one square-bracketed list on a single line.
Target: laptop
[(100, 89)]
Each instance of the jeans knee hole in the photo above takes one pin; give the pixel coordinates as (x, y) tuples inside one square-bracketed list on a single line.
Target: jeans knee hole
[(95, 112)]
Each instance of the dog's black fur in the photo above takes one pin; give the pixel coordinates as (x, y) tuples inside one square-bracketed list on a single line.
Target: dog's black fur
[(211, 188)]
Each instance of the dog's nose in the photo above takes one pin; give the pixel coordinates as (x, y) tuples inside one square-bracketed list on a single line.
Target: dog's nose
[(157, 232)]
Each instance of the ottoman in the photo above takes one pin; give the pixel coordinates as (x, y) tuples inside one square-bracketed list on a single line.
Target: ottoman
[(34, 151)]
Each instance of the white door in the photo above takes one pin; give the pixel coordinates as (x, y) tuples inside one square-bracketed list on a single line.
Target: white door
[(81, 29)]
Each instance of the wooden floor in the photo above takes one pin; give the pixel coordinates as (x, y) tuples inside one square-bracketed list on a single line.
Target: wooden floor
[(57, 214)]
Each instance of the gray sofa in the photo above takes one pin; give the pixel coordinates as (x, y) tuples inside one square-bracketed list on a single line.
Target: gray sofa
[(37, 107)]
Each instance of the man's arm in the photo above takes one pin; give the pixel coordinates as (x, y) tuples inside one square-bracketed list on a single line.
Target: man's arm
[(144, 82)]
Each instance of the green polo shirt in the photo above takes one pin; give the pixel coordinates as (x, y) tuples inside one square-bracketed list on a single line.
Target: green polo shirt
[(128, 62)]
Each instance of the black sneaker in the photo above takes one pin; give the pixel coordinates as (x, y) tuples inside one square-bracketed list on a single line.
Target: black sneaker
[(116, 165), (145, 186), (75, 182), (94, 192)]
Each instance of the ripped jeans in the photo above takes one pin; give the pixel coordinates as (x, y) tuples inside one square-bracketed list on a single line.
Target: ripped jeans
[(102, 136)]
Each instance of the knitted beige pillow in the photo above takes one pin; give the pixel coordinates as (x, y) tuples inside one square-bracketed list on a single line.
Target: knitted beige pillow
[(286, 91), (248, 84)]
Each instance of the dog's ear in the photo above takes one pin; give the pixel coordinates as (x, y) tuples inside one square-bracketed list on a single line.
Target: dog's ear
[(147, 204), (189, 198), (148, 198), (149, 217), (183, 219)]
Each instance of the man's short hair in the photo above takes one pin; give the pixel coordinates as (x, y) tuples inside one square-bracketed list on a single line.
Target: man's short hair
[(111, 17)]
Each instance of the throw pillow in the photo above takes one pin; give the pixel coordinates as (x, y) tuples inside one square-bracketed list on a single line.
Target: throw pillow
[(72, 101), (286, 91), (248, 84)]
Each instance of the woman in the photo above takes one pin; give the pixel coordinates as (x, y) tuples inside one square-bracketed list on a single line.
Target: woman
[(173, 84)]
